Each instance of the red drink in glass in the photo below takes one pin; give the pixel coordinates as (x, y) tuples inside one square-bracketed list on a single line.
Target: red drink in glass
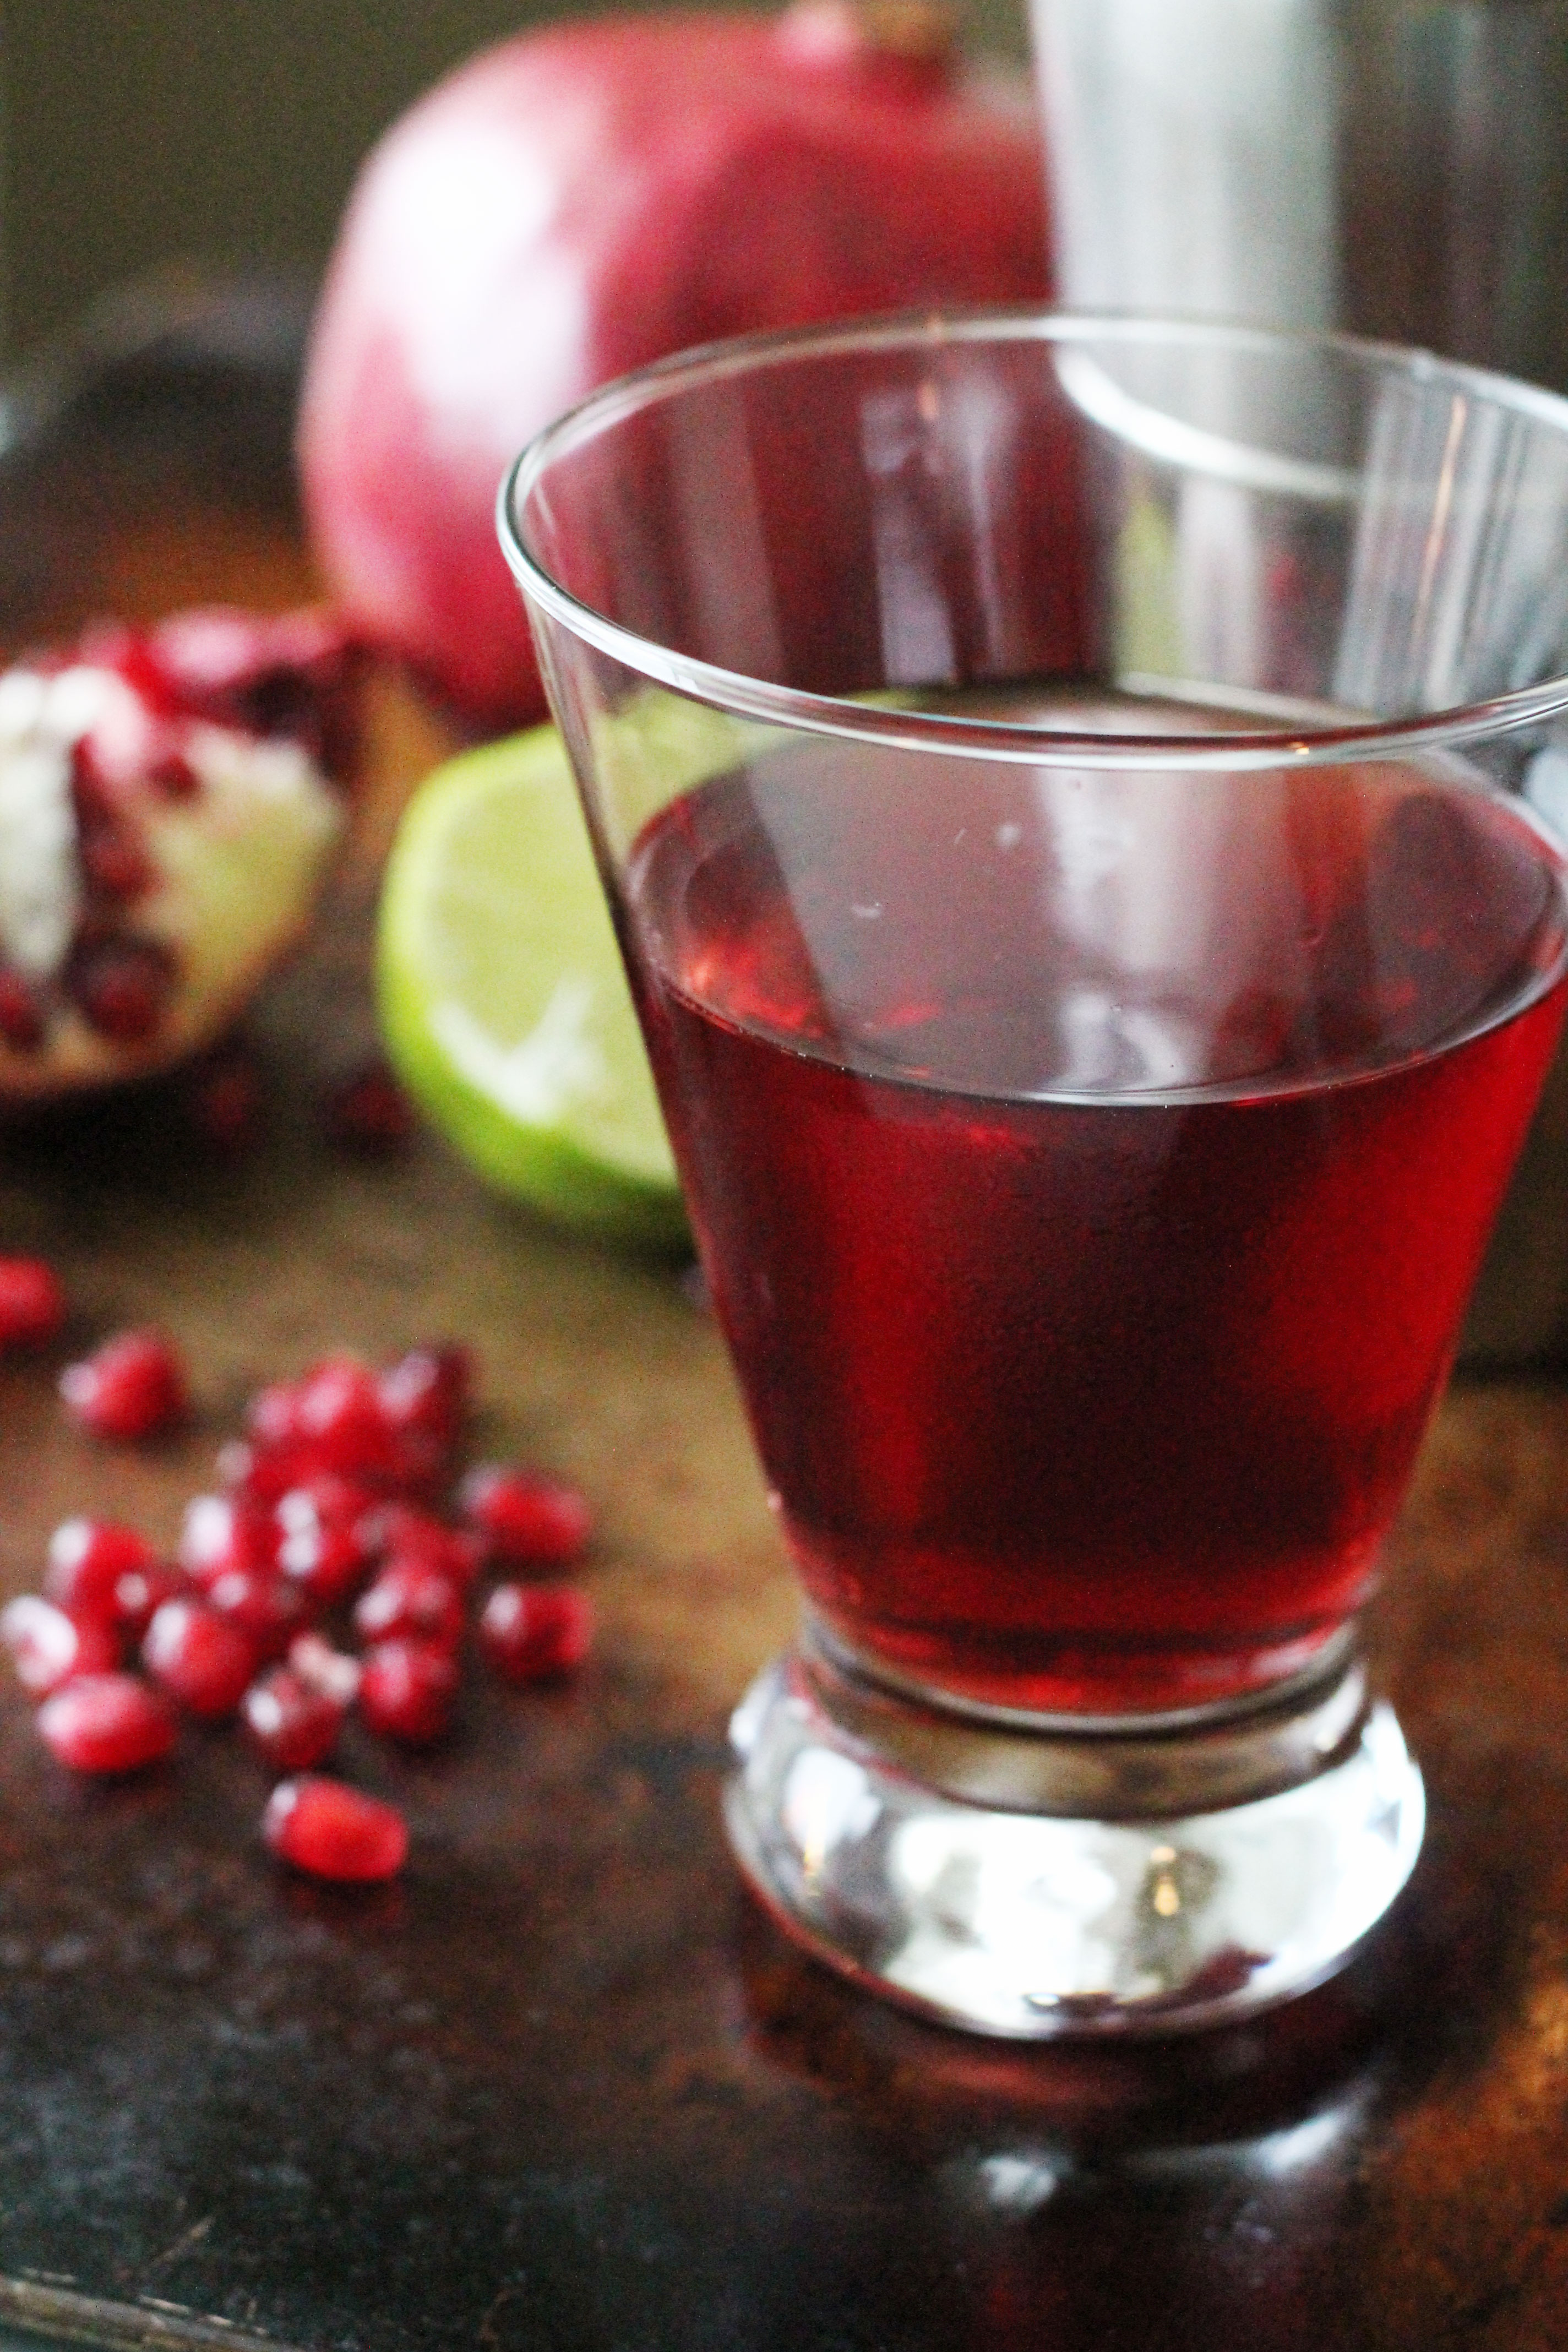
[(1090, 1174), (1063, 786)]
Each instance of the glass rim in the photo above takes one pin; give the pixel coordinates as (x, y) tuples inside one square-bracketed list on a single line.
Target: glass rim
[(761, 699)]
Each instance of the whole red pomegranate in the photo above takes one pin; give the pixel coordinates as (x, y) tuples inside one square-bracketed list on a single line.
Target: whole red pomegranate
[(587, 198)]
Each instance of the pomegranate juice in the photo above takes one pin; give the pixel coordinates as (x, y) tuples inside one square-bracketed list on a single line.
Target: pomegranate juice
[(1091, 1169)]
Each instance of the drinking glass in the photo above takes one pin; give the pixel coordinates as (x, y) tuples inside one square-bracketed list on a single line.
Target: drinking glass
[(1063, 789)]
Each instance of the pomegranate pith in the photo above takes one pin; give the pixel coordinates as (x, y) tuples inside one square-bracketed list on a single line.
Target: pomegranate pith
[(330, 1830)]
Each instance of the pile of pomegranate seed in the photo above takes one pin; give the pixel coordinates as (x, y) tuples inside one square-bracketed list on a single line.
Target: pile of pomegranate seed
[(326, 1529)]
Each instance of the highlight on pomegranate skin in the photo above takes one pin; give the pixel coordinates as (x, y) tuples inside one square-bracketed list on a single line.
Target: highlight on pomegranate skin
[(330, 1831), (618, 190)]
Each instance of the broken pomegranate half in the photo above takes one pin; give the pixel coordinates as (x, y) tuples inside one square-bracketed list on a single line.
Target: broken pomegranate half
[(169, 799)]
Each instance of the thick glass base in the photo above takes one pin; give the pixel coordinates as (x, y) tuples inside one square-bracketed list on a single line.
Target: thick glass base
[(1036, 1880)]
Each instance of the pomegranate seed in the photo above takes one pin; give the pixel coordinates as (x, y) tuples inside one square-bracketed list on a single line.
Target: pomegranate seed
[(533, 1520), (401, 1532), (369, 1114), (234, 1463), (325, 1501), (113, 862), (201, 1659), (120, 986), (48, 1645), (139, 1593), (413, 1599), (86, 1558), (292, 1723), (337, 1400), (223, 1532), (22, 1021), (107, 1723), (133, 1386), (419, 1463), (333, 1831), (224, 1100), (92, 787), (272, 1416), (174, 776), (427, 1390), (268, 1609), (406, 1689), (331, 1672), (329, 1565), (339, 1415), (300, 677), (32, 1304), (112, 645), (263, 1473), (529, 1633)]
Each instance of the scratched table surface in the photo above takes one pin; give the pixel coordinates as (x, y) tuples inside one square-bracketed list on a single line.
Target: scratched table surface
[(561, 2087)]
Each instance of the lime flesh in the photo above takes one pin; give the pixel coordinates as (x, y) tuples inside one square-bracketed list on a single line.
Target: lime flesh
[(503, 1000)]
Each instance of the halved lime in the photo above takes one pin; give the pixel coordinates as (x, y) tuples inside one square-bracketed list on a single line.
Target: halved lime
[(503, 1001)]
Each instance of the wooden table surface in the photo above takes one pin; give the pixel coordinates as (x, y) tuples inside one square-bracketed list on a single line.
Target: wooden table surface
[(562, 2086)]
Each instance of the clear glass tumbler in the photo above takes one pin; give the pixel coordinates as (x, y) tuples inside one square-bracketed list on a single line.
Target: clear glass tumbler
[(1062, 788)]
